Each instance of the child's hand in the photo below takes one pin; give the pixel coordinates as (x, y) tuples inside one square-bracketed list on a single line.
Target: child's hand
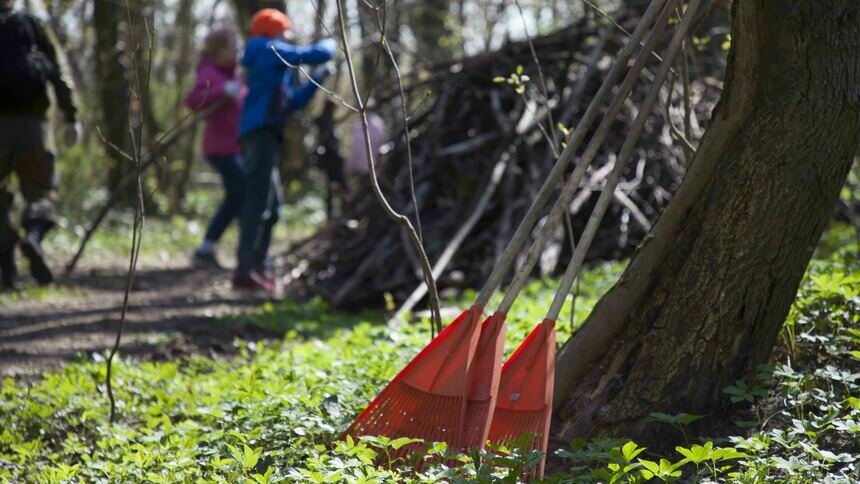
[(232, 88), (323, 71), (328, 44)]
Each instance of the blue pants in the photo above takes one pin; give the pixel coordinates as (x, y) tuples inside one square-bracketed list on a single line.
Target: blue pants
[(261, 210), (233, 180)]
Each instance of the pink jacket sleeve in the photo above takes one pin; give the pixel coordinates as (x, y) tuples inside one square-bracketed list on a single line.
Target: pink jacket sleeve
[(208, 88)]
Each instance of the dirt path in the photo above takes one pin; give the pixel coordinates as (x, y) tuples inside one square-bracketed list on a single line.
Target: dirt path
[(174, 311)]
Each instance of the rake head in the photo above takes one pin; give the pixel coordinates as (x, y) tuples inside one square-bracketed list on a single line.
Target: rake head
[(484, 382), (428, 398), (525, 391)]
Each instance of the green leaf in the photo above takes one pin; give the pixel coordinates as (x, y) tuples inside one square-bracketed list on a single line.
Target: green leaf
[(630, 451), (398, 443), (250, 457), (650, 465), (264, 478)]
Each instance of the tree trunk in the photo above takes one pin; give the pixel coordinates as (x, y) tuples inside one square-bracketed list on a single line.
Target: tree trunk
[(319, 20), (183, 155), (113, 87), (432, 30), (705, 296)]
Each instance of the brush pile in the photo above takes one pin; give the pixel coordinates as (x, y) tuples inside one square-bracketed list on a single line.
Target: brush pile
[(473, 123)]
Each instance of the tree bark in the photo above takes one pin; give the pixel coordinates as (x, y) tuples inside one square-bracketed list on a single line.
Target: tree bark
[(432, 30), (184, 153), (705, 296), (113, 85)]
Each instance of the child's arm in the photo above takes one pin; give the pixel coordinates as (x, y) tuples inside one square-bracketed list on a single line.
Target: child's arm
[(316, 53), (207, 89), (303, 93)]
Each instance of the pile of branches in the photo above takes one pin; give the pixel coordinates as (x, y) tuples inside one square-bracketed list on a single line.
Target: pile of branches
[(477, 124)]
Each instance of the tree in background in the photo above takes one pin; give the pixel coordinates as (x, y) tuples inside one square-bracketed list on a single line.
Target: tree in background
[(430, 23), (704, 298), (113, 84)]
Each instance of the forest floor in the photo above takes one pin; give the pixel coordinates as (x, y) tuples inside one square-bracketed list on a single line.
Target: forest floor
[(174, 311), (274, 411)]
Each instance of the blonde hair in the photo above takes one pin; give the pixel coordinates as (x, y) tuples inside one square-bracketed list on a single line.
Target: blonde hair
[(217, 40)]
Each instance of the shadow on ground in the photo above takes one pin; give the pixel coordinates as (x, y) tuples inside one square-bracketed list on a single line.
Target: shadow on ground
[(173, 312)]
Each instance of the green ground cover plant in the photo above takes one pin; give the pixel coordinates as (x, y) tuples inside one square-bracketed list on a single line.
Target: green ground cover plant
[(274, 413)]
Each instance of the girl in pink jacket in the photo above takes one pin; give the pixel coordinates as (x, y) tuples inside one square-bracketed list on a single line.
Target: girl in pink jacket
[(218, 91)]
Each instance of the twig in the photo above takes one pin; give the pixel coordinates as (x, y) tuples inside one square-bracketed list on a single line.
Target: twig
[(583, 127), (380, 23), (544, 90), (313, 81), (615, 23), (578, 257), (685, 79), (637, 214), (572, 183), (374, 182), (553, 141), (166, 141), (407, 137), (676, 134), (568, 227), (137, 229), (464, 230)]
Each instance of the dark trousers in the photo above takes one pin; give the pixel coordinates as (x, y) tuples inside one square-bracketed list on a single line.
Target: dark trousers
[(25, 153), (233, 180), (261, 208)]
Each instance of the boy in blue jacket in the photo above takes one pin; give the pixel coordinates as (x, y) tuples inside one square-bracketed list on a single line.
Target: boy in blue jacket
[(272, 95)]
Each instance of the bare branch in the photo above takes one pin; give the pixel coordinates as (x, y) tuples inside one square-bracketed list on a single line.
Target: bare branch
[(374, 182), (142, 88)]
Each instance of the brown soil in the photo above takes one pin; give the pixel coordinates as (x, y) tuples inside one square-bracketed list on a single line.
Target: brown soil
[(173, 311)]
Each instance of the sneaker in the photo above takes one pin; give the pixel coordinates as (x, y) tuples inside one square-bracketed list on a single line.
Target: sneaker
[(254, 282), (205, 260), (8, 271), (32, 250), (266, 270)]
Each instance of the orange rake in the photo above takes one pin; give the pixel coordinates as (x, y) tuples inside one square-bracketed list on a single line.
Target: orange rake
[(525, 391), (526, 386), (448, 392), (484, 382), (428, 398)]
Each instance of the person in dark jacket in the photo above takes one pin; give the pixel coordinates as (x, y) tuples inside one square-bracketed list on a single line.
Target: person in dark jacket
[(273, 93), (28, 64)]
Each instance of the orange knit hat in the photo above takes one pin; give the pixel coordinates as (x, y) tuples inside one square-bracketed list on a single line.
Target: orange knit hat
[(269, 22)]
